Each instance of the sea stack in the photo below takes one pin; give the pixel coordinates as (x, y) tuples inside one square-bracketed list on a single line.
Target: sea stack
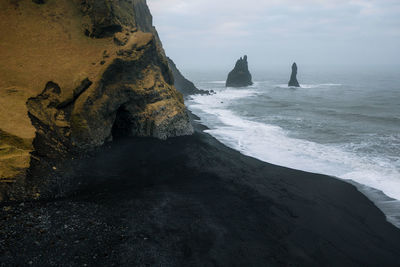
[(240, 76), (293, 78)]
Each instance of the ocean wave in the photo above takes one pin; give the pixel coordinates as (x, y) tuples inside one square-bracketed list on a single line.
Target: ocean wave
[(272, 144), (308, 86), (226, 95), (217, 82), (377, 118), (331, 84)]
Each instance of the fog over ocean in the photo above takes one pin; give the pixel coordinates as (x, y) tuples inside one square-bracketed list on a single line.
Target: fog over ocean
[(343, 122)]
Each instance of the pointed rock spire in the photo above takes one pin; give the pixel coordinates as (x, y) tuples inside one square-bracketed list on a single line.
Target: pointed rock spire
[(293, 78)]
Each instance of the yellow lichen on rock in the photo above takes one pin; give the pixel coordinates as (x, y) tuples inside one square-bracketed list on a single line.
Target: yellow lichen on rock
[(75, 72)]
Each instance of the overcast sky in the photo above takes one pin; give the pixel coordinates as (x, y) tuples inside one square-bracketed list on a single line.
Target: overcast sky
[(199, 34)]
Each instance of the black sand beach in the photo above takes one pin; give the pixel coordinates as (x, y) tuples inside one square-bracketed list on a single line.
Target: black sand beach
[(191, 201)]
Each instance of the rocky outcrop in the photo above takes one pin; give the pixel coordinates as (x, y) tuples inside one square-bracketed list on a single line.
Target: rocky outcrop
[(240, 76), (293, 78), (74, 75), (182, 84)]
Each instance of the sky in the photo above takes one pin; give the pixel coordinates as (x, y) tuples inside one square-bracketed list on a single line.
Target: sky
[(212, 34)]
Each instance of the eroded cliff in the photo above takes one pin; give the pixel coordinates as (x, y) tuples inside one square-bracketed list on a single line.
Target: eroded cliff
[(182, 84), (73, 75)]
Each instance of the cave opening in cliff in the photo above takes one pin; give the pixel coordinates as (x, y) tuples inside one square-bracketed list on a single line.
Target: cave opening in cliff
[(123, 124)]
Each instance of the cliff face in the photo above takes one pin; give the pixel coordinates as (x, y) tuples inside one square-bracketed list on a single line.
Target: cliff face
[(240, 76), (182, 84), (73, 75)]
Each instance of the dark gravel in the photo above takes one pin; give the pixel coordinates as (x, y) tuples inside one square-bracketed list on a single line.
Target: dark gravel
[(191, 201)]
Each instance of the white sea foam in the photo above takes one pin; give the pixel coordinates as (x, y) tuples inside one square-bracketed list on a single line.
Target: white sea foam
[(218, 82), (272, 144), (309, 86), (331, 84)]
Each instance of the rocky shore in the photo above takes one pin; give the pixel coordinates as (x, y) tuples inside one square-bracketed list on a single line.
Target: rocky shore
[(191, 201), (182, 84), (98, 144), (74, 75)]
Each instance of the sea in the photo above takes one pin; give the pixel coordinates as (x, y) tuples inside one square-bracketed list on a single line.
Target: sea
[(344, 121)]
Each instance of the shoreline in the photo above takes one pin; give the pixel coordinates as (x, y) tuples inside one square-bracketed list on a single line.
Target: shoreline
[(389, 205), (193, 201)]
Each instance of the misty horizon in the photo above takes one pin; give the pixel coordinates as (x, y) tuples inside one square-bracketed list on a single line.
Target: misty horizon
[(278, 33)]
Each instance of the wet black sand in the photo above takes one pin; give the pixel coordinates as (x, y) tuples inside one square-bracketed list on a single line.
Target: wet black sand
[(191, 201)]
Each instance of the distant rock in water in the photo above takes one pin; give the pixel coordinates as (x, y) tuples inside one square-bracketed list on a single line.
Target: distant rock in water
[(182, 84), (240, 76), (293, 78)]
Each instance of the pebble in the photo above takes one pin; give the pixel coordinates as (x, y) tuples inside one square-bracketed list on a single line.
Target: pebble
[(7, 208)]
